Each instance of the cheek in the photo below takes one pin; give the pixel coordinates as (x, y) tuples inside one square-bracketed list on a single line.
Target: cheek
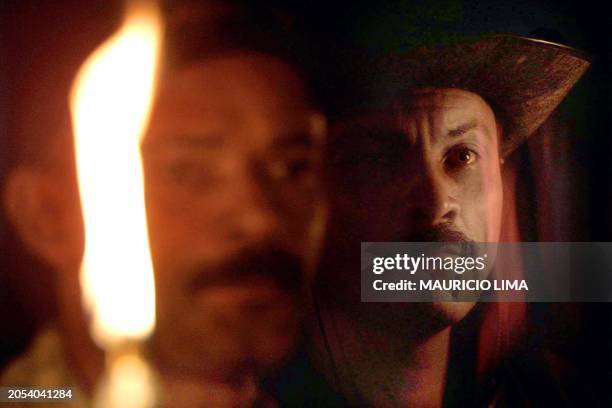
[(302, 216), (494, 213), (180, 223), (492, 198), (482, 205), (184, 223)]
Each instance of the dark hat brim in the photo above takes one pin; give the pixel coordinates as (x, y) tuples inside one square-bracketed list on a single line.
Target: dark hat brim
[(523, 79)]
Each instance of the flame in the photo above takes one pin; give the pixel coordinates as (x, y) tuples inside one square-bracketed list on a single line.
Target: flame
[(110, 104)]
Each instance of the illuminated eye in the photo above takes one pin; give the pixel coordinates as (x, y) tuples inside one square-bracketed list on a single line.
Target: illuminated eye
[(464, 156), (460, 157)]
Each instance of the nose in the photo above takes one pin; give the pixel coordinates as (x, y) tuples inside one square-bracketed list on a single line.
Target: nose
[(254, 218), (432, 199)]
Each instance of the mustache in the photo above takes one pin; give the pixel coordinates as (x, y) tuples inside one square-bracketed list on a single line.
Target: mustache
[(282, 267), (439, 233), (448, 239)]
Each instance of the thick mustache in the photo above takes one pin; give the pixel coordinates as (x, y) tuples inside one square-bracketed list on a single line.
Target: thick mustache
[(283, 268), (439, 233), (448, 238)]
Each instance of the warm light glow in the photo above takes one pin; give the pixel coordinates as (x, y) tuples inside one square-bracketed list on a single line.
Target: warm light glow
[(110, 102), (130, 384)]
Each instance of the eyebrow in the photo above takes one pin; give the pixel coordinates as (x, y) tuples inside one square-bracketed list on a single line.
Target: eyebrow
[(463, 129), (188, 140)]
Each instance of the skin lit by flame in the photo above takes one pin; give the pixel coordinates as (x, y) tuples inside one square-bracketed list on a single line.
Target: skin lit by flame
[(110, 103)]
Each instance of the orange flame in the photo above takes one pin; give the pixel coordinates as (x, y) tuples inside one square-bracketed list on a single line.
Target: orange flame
[(110, 102)]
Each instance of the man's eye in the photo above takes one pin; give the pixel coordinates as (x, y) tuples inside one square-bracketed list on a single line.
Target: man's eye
[(290, 169), (460, 157)]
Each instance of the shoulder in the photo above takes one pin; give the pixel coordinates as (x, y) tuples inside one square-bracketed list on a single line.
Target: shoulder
[(42, 365)]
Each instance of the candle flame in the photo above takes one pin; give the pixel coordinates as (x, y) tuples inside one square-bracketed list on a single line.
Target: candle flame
[(110, 103)]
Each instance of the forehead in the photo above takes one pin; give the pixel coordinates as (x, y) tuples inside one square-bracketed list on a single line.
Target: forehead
[(450, 106), (229, 93)]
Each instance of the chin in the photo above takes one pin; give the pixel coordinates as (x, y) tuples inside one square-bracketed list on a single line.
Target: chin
[(418, 320), (452, 312), (228, 341)]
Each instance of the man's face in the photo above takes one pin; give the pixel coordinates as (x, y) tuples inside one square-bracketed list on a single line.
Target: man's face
[(235, 211), (428, 170), (231, 168)]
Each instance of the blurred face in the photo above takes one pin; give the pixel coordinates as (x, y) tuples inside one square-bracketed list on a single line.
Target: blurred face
[(235, 211), (231, 166), (427, 171)]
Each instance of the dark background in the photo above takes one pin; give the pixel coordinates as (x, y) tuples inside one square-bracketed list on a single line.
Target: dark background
[(333, 32)]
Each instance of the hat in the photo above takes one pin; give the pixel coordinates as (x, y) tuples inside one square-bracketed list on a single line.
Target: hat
[(523, 79)]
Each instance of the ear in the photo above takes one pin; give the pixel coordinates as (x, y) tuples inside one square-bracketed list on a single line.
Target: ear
[(45, 213)]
